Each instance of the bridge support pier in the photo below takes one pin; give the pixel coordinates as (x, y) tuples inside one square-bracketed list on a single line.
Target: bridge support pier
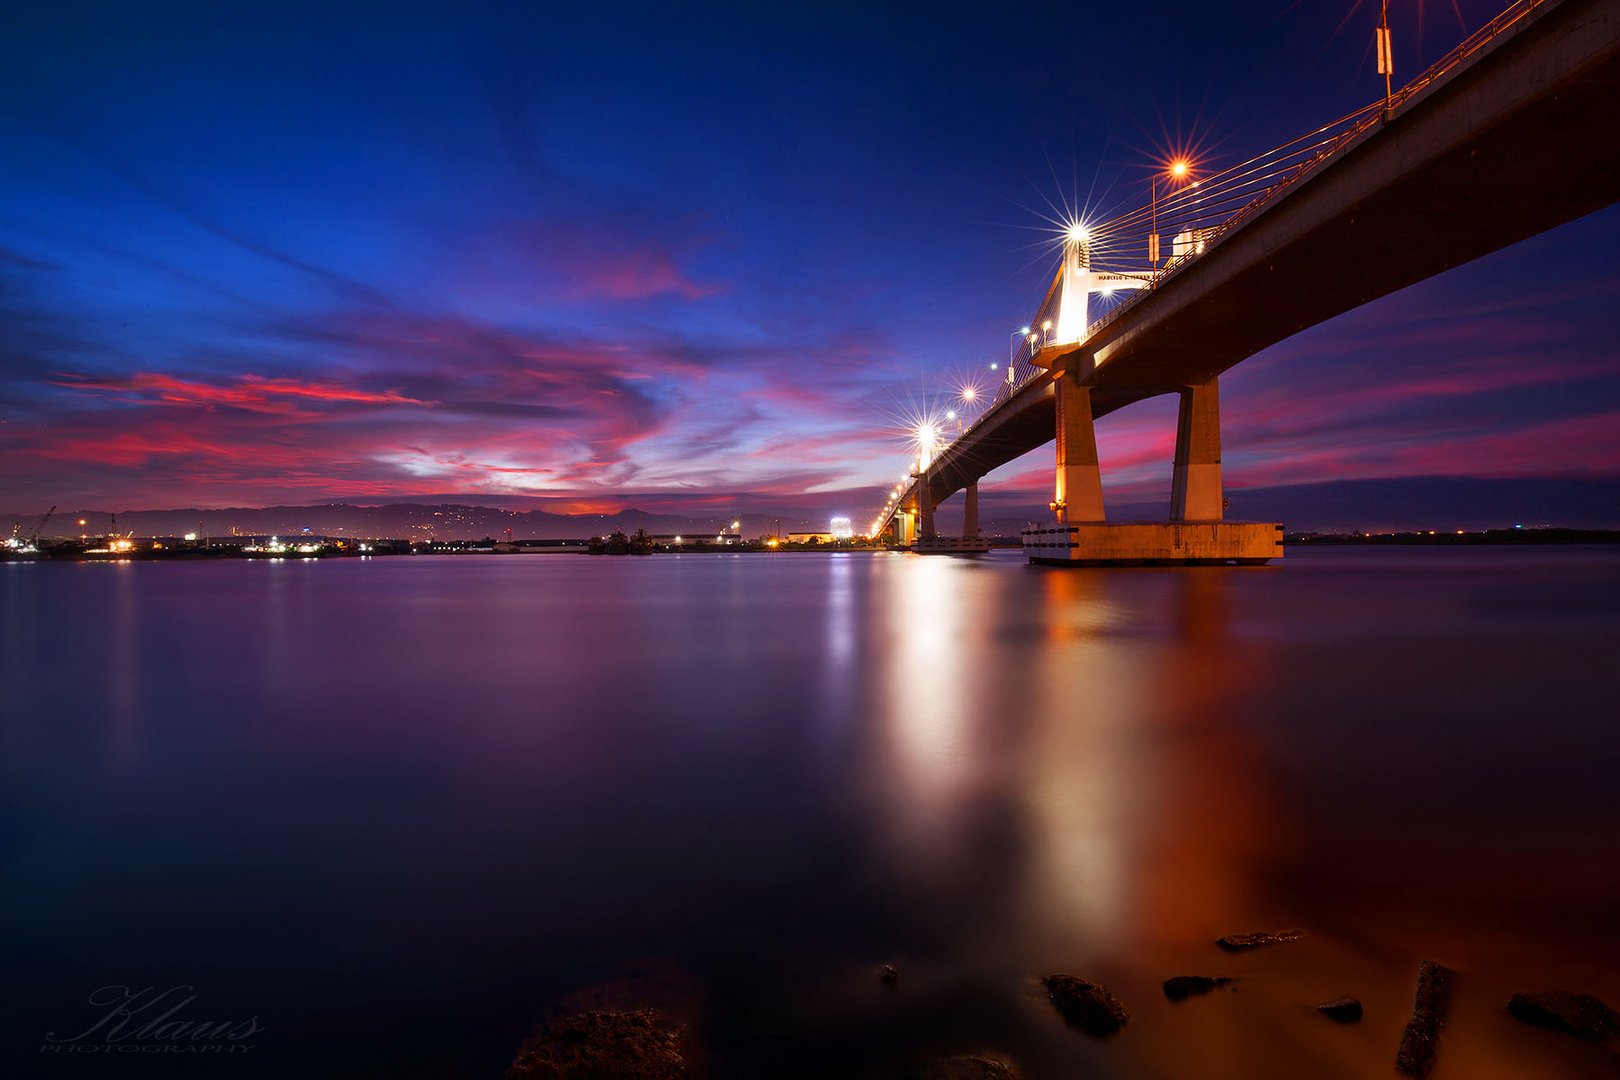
[(1195, 490), (925, 512), (1196, 535), (1079, 477), (970, 511)]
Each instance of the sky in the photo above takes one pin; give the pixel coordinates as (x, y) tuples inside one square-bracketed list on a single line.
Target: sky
[(683, 256)]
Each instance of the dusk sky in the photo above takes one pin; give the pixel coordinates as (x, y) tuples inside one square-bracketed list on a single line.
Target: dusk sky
[(677, 256)]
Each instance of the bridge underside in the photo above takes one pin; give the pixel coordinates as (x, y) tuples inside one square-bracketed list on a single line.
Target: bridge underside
[(1513, 146), (1515, 141)]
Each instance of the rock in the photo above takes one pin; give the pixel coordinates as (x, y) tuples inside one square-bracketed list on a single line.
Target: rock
[(889, 975), (1345, 1010), (1086, 1005), (973, 1067), (1420, 1042), (634, 1045), (1183, 987), (1245, 942), (1559, 1010)]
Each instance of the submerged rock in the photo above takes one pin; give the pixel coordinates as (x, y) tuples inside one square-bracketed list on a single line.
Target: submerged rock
[(1086, 1005), (1581, 1015), (1183, 987), (1420, 1042), (972, 1067), (634, 1045), (889, 975), (1244, 942), (1345, 1010)]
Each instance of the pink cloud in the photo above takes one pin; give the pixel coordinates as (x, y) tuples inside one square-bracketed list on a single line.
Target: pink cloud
[(251, 392)]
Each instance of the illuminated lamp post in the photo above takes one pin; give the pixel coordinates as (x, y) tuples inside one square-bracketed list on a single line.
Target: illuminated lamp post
[(1176, 172)]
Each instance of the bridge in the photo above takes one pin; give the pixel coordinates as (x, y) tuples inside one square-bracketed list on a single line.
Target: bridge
[(1511, 134)]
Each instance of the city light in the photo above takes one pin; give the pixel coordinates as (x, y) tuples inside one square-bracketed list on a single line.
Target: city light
[(969, 393), (1078, 233)]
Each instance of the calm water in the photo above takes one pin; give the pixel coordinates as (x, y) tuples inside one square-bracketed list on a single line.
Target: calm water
[(400, 809)]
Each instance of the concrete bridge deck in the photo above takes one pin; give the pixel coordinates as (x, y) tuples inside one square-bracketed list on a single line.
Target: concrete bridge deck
[(1516, 139)]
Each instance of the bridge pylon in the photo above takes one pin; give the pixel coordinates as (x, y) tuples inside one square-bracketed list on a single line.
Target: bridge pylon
[(1078, 488), (1195, 490)]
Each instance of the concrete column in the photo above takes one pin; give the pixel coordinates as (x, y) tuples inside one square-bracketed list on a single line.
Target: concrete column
[(970, 511), (908, 527), (1195, 491), (925, 511), (1079, 478)]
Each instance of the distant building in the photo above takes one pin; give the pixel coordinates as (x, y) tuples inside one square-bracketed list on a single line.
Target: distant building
[(841, 529), (809, 538)]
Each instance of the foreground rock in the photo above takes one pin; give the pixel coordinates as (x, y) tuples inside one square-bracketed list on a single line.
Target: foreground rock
[(1420, 1042), (1086, 1005), (636, 1045), (1581, 1015), (972, 1067), (1183, 987), (1245, 942), (1345, 1010)]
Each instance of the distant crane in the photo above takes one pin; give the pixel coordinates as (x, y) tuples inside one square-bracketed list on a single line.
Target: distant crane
[(117, 543), (30, 543)]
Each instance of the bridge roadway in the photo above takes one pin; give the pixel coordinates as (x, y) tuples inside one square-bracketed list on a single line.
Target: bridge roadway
[(1515, 140)]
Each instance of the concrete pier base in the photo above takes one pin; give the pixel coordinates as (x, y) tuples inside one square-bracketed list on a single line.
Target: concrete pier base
[(951, 545), (1207, 543)]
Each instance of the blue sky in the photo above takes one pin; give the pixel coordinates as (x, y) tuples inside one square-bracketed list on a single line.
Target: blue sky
[(658, 256)]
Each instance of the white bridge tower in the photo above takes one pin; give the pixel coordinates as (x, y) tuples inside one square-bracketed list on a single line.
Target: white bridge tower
[(1080, 280)]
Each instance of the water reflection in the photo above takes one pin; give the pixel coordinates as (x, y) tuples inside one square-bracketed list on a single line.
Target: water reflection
[(486, 782)]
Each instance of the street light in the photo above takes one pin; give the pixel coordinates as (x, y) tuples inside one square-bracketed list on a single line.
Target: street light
[(1176, 171)]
